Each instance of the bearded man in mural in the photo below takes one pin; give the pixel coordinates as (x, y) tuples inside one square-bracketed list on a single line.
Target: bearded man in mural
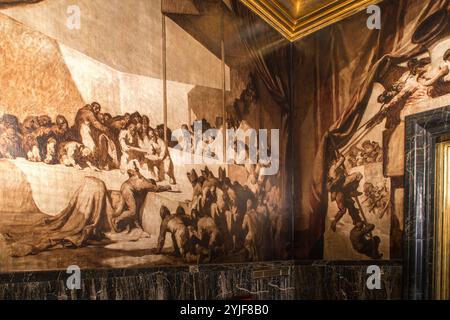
[(96, 136)]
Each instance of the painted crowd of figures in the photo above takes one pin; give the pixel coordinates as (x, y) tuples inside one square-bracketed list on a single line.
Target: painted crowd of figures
[(96, 140), (102, 142), (226, 218)]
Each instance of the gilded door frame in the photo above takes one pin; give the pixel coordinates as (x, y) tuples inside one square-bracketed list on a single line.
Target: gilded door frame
[(441, 262)]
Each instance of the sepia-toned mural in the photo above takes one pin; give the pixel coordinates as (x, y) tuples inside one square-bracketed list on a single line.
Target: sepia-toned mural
[(91, 171), (114, 138), (353, 202)]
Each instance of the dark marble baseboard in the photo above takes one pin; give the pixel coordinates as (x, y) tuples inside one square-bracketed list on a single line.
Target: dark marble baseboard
[(325, 280), (286, 280)]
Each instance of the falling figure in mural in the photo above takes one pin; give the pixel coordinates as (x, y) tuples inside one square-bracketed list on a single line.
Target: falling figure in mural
[(363, 242), (343, 189), (132, 193)]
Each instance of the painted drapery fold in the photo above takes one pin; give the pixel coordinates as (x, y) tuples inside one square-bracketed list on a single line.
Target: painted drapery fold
[(346, 65)]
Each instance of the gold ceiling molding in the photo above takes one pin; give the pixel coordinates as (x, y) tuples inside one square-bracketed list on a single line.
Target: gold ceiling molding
[(296, 19)]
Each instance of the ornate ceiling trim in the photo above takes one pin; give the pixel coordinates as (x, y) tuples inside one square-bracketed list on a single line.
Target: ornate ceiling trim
[(299, 26)]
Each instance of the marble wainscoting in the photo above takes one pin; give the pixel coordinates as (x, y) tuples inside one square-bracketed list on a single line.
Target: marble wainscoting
[(288, 280), (224, 281), (422, 133), (347, 280)]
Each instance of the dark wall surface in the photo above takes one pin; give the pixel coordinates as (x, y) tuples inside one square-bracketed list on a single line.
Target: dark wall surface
[(263, 281)]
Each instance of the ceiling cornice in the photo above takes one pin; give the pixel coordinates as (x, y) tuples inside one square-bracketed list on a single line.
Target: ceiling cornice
[(296, 24)]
